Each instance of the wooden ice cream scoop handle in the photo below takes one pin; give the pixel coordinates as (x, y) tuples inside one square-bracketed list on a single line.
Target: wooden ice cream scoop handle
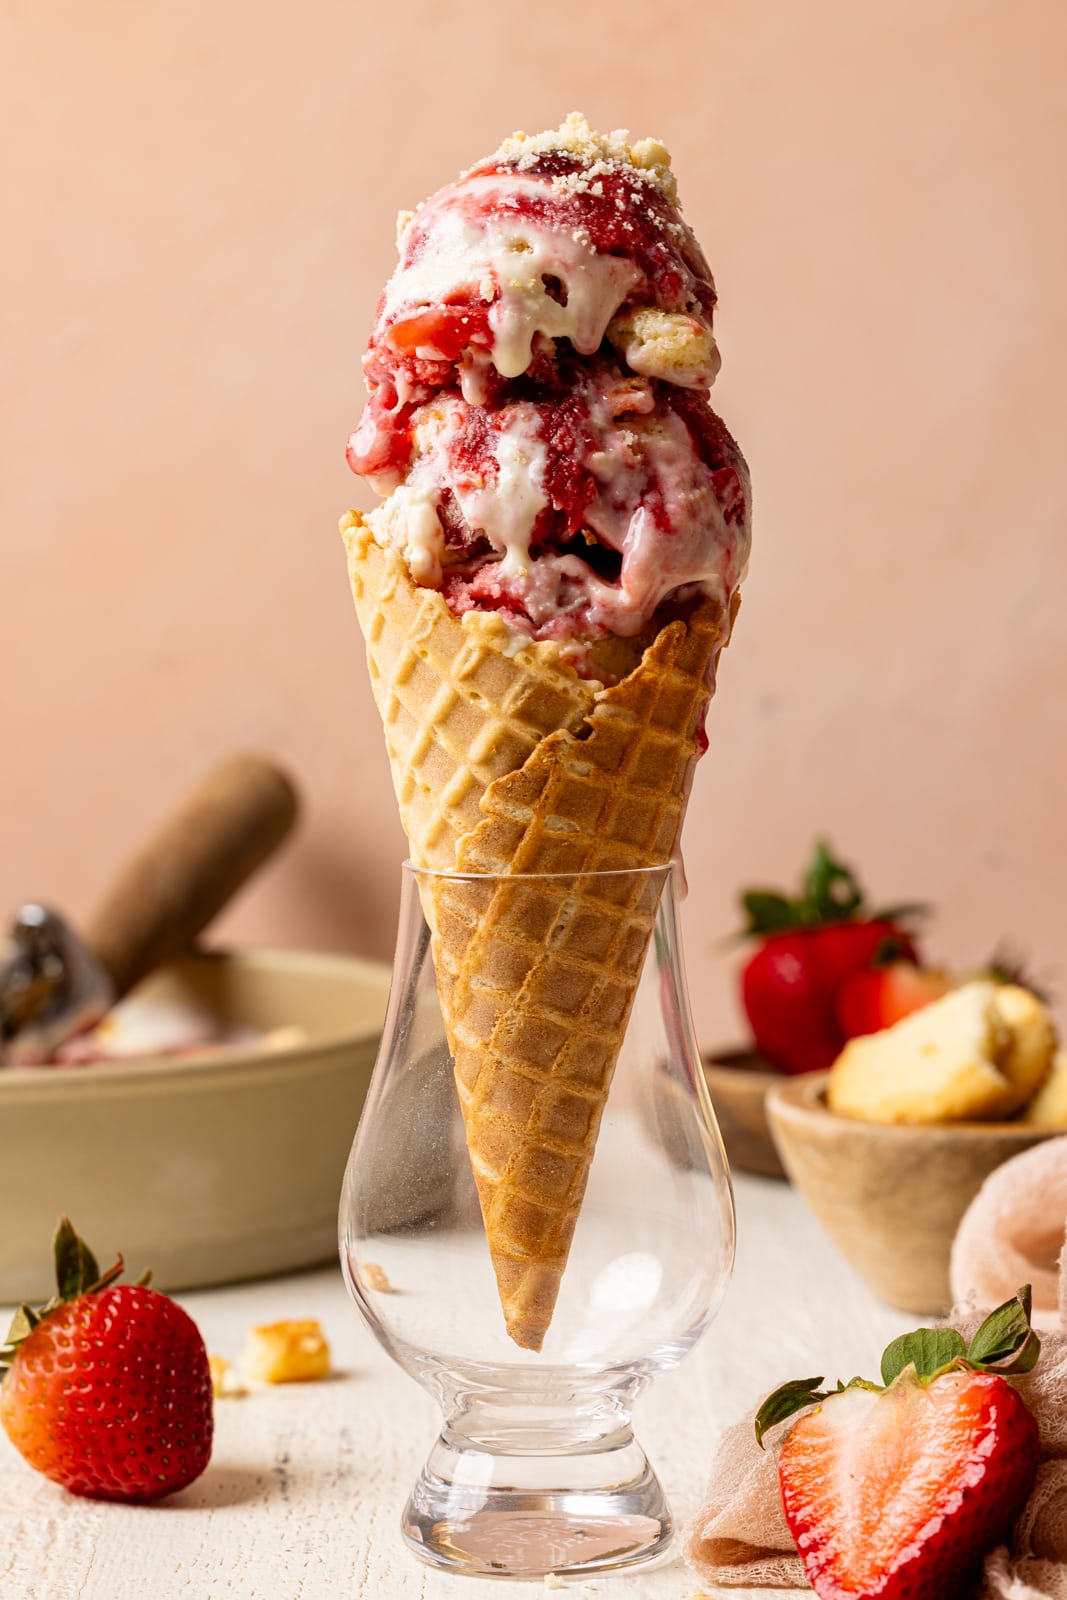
[(181, 877)]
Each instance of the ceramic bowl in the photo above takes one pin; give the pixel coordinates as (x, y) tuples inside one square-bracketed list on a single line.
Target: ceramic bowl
[(890, 1197), (207, 1169), (738, 1082)]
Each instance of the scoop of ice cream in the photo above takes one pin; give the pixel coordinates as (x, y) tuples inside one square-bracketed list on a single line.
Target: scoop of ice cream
[(538, 373), (576, 513), (550, 239)]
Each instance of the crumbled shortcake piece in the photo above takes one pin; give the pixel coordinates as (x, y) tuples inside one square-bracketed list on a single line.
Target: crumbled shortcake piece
[(1033, 1040), (225, 1384), (666, 344), (286, 1352), (1048, 1108), (376, 1277), (980, 1052), (575, 137)]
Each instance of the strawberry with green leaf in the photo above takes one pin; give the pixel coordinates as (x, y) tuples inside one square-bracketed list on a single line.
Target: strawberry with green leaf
[(808, 948), (898, 1490), (107, 1388)]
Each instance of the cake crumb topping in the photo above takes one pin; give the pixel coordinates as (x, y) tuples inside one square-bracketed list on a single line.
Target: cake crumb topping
[(599, 152)]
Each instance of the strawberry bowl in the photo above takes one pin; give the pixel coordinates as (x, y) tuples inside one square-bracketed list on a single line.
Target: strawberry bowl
[(890, 1196), (208, 1167)]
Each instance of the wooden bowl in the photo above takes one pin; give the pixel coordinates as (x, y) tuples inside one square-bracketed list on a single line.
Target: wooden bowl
[(738, 1081), (890, 1196), (210, 1168)]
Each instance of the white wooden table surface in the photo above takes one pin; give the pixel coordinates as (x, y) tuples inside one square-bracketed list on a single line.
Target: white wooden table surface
[(303, 1495)]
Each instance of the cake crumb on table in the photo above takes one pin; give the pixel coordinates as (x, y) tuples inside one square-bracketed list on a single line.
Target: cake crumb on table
[(376, 1277), (292, 1351), (225, 1384)]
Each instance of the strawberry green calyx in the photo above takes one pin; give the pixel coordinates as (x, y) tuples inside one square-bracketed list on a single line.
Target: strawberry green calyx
[(1005, 1344), (830, 893), (76, 1269), (794, 1396), (77, 1274), (1008, 966)]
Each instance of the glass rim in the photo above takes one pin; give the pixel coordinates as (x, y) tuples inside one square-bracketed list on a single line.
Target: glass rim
[(414, 870)]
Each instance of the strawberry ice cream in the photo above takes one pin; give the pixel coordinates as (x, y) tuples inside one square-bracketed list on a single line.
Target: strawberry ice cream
[(538, 421)]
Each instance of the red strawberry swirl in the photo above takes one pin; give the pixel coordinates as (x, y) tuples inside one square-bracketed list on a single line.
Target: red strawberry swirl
[(537, 416)]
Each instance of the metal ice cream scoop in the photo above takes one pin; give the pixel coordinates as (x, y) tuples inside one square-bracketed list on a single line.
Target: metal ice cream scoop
[(57, 983)]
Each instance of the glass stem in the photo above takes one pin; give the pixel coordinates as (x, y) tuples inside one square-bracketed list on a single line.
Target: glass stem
[(566, 1421)]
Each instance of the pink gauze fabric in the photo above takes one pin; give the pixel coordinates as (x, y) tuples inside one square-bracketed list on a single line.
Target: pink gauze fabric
[(1013, 1233)]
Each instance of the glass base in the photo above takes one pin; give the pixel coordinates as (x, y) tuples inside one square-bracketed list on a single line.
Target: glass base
[(508, 1516)]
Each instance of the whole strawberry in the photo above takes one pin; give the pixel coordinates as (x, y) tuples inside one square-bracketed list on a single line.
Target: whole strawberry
[(107, 1389), (808, 949), (898, 1491)]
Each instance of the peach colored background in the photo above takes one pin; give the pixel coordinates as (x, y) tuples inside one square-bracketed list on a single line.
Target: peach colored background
[(199, 216)]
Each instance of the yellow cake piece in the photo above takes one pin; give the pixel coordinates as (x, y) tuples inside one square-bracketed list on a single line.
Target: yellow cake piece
[(286, 1352), (940, 1064), (1048, 1108), (225, 1384), (982, 1051), (666, 344), (375, 1277), (1028, 1061)]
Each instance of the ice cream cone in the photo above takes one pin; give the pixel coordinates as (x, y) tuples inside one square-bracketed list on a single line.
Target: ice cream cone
[(544, 588), (536, 980)]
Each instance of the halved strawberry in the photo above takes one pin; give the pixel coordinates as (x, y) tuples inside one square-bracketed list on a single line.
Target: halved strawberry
[(897, 1491), (878, 997)]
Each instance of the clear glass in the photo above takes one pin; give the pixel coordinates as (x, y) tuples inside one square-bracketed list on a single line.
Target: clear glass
[(536, 1468)]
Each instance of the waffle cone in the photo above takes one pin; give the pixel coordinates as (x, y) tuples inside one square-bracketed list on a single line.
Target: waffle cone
[(536, 980), (458, 709)]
